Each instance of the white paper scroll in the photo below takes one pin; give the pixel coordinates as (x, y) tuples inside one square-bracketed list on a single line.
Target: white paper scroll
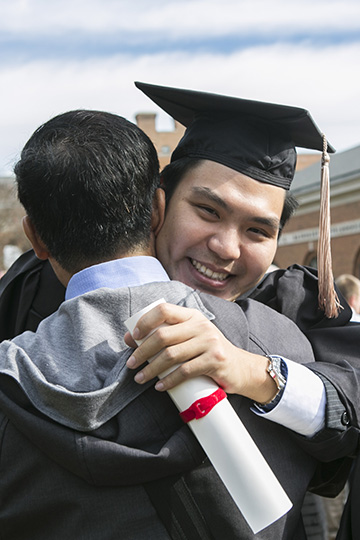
[(231, 450)]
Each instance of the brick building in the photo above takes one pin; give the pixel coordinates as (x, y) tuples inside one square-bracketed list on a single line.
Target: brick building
[(164, 141), (298, 243)]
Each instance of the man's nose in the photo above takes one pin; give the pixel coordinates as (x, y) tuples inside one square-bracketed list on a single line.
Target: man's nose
[(226, 244)]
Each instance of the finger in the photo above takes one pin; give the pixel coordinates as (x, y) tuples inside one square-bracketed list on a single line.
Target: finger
[(168, 336), (190, 354), (182, 373), (162, 314), (168, 358), (129, 341)]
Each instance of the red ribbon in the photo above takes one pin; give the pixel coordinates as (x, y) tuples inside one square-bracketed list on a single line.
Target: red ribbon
[(202, 406)]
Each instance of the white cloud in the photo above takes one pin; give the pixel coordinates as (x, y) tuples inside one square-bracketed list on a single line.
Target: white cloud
[(178, 18), (321, 79)]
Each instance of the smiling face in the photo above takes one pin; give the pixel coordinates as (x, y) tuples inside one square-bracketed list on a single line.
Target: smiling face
[(220, 230)]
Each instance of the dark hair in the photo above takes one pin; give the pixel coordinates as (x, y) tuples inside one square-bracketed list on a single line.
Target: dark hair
[(173, 173), (290, 206), (87, 180)]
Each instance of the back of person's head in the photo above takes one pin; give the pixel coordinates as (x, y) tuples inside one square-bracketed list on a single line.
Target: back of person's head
[(87, 180), (349, 286), (175, 171)]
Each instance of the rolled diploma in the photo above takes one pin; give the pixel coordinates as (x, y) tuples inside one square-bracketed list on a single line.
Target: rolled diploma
[(230, 448)]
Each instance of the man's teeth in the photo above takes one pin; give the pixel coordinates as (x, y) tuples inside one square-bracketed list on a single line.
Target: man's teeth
[(220, 276)]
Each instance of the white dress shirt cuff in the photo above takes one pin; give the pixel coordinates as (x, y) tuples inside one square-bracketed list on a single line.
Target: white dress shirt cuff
[(302, 405)]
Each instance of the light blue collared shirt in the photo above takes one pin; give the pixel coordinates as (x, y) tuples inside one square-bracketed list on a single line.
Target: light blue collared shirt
[(126, 272)]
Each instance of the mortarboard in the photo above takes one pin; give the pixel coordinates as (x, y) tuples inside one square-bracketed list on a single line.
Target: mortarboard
[(255, 138)]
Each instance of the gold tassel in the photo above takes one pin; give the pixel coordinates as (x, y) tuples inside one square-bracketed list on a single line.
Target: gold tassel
[(328, 299)]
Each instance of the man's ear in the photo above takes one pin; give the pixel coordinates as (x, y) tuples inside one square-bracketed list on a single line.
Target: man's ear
[(38, 246), (158, 213)]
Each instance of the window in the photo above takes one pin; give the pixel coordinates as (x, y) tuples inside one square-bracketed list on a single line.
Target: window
[(165, 150), (356, 271)]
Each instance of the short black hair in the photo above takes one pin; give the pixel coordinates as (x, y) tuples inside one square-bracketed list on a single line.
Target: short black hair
[(175, 171), (87, 180)]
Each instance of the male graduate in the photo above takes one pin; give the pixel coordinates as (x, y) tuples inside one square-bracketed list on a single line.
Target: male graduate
[(226, 191), (85, 450)]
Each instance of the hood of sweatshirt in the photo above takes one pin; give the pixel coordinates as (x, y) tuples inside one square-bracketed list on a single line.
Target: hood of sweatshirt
[(67, 388)]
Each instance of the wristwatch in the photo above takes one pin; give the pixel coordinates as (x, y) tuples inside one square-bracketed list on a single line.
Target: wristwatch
[(277, 370)]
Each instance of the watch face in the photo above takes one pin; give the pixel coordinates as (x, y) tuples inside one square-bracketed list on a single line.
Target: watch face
[(275, 371)]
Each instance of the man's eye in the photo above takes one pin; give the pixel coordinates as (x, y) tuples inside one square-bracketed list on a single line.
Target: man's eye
[(260, 232), (208, 210)]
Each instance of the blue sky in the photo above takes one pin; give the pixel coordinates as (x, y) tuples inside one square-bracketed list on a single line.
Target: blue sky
[(59, 55)]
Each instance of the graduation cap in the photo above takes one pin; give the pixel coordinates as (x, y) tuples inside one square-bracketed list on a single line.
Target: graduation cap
[(257, 139)]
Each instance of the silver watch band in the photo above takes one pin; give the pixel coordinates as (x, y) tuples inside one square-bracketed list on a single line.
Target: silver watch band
[(274, 370)]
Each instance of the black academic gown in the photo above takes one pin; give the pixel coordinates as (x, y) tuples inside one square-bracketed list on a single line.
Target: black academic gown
[(29, 292)]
